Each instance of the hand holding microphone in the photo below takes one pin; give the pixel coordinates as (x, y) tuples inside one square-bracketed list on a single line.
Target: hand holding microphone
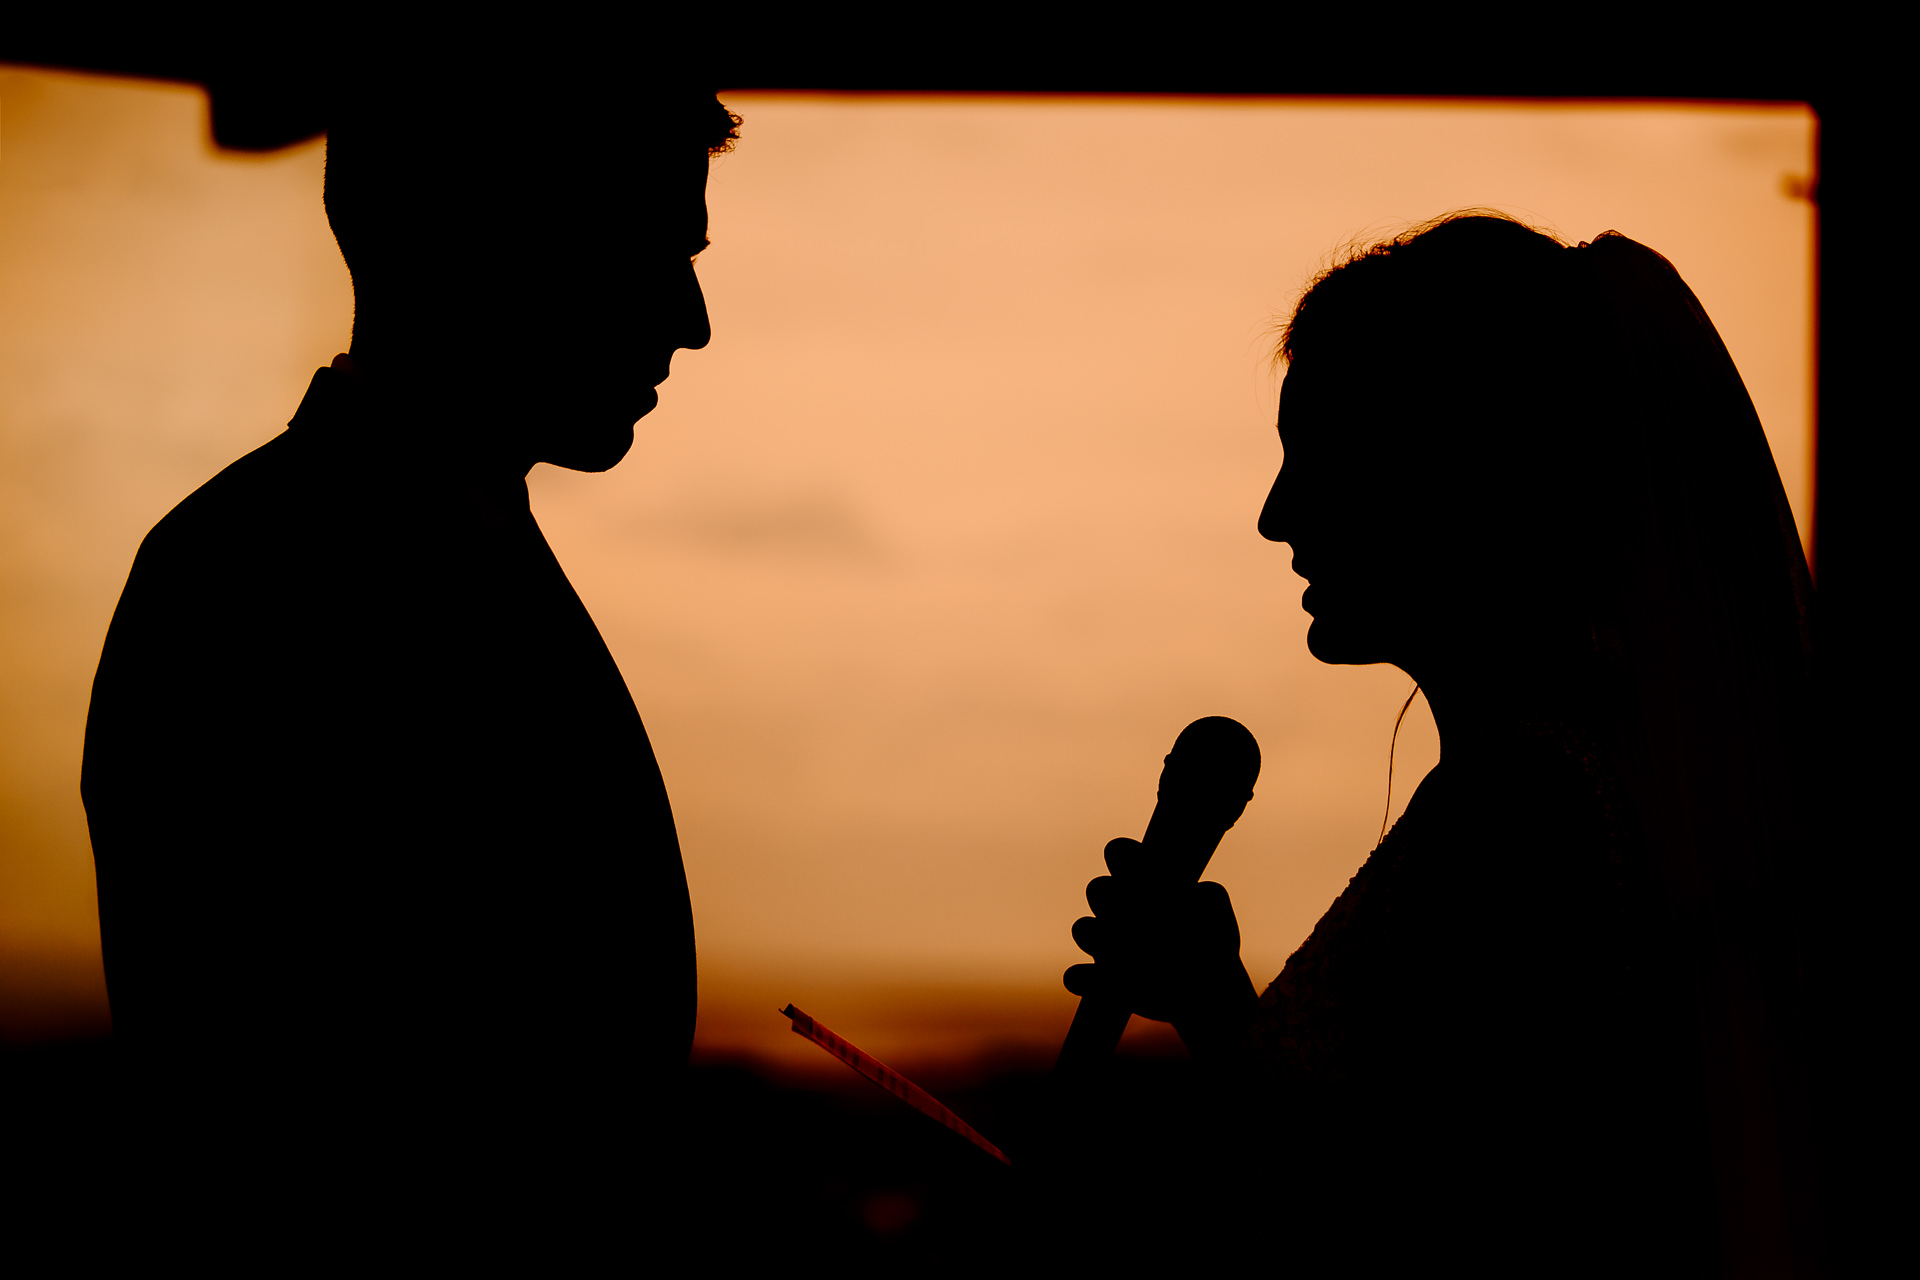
[(1165, 946), (1158, 945)]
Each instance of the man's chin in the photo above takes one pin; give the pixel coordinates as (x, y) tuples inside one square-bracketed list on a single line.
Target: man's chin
[(599, 450)]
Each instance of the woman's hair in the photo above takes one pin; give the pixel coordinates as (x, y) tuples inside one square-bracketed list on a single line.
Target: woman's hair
[(1469, 272), (1472, 304)]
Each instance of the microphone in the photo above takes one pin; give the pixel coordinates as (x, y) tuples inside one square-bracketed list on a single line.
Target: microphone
[(1204, 788)]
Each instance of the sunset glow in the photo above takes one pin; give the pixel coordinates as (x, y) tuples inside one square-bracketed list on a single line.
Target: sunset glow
[(920, 566)]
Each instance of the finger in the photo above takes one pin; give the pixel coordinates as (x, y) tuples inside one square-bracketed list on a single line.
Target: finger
[(1103, 893), (1086, 935), (1123, 856), (1107, 896), (1082, 979), (1211, 900)]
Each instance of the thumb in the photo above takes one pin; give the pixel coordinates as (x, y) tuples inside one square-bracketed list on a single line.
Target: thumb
[(1213, 912)]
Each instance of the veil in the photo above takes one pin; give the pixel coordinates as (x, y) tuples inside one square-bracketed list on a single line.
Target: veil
[(1706, 611)]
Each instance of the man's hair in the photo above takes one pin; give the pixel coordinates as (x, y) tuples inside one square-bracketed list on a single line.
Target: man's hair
[(423, 165), (723, 129)]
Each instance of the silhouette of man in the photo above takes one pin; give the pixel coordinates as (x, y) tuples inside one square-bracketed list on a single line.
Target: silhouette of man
[(386, 866)]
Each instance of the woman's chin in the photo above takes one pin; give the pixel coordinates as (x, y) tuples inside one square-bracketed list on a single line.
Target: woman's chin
[(1345, 646)]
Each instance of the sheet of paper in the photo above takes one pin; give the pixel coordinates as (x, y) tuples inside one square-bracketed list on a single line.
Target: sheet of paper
[(889, 1079)]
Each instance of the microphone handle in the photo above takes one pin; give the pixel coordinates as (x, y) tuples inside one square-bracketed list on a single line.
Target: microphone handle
[(1095, 1033)]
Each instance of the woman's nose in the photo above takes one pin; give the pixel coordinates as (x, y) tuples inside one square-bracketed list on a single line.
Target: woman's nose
[(1273, 516)]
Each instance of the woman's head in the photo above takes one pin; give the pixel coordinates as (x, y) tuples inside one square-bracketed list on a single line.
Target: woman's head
[(1434, 427), (1498, 447)]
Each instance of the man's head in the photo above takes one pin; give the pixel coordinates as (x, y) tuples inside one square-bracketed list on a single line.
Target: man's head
[(523, 249)]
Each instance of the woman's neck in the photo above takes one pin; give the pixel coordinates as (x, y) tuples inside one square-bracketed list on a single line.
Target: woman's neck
[(1482, 701)]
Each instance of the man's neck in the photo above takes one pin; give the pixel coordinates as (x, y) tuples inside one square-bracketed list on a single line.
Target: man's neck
[(463, 429)]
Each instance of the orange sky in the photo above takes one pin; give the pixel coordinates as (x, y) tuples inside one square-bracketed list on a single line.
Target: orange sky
[(920, 566)]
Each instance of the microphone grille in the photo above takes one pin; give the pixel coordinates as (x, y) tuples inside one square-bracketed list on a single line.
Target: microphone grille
[(1204, 788), (1215, 755)]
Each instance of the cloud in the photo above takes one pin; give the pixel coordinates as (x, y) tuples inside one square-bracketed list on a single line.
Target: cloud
[(817, 526)]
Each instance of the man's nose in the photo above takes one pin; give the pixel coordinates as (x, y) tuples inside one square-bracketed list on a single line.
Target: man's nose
[(699, 327)]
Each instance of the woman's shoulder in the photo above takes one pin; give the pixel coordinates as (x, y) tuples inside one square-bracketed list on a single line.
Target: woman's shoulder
[(1302, 1027), (1508, 868)]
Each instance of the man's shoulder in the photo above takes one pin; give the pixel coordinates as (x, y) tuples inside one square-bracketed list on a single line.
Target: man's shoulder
[(225, 549), (254, 497), (190, 617)]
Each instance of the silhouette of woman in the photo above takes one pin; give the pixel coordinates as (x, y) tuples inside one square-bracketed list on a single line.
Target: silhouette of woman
[(1551, 1023)]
